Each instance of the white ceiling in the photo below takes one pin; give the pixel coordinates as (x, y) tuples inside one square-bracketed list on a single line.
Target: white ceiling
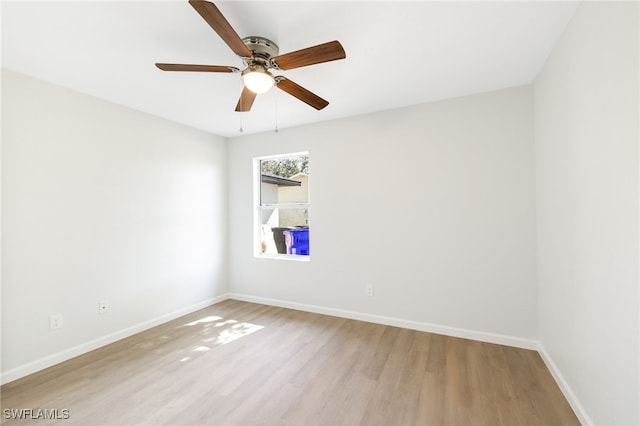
[(398, 53)]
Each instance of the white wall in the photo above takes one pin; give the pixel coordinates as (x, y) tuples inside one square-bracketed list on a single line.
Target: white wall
[(100, 202), (433, 205), (586, 147)]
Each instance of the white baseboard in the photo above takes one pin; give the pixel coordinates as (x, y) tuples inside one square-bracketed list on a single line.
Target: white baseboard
[(500, 339), (41, 364), (571, 397)]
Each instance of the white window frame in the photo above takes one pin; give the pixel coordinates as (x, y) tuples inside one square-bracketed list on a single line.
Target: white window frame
[(259, 208)]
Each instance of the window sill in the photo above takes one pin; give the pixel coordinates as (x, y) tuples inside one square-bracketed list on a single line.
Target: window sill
[(291, 257)]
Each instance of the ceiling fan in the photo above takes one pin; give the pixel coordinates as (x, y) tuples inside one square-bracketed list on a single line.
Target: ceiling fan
[(259, 55)]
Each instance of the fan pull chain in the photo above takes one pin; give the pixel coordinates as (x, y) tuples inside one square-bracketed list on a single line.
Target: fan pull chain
[(241, 111), (276, 108)]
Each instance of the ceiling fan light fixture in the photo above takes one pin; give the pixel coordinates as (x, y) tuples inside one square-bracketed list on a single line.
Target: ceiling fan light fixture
[(257, 79)]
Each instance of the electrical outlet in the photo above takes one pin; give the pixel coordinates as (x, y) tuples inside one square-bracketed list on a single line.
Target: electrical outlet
[(369, 290), (55, 321), (103, 307)]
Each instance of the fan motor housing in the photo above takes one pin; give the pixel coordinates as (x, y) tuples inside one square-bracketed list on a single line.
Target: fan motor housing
[(262, 48)]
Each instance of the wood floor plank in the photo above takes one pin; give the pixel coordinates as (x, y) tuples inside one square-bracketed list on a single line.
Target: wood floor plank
[(239, 363)]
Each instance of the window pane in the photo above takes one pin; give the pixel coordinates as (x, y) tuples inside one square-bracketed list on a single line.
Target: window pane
[(284, 180), (275, 226)]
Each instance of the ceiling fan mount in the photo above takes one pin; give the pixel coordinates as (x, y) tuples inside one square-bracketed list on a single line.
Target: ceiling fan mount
[(263, 50), (259, 55)]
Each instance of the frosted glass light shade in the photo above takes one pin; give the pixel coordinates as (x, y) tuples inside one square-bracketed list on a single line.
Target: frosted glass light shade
[(258, 81)]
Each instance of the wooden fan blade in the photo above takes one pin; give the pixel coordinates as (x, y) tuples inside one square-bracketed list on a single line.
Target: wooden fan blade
[(198, 68), (301, 93), (217, 21), (246, 100), (326, 52)]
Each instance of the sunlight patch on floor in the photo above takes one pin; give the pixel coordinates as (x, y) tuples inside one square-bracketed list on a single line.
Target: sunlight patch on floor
[(221, 331), (236, 332)]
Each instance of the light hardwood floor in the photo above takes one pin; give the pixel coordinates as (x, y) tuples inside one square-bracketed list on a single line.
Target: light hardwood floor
[(244, 363)]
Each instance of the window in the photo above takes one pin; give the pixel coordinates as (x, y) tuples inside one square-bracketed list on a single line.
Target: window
[(281, 192)]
